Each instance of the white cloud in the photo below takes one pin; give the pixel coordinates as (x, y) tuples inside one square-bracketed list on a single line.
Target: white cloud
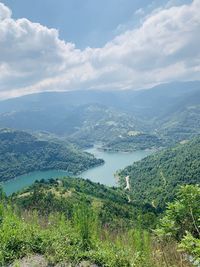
[(5, 12), (165, 47)]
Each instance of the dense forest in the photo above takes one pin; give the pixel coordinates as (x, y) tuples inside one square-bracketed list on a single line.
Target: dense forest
[(21, 152), (155, 178)]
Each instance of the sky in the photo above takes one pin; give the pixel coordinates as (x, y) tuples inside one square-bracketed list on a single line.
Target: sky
[(62, 45)]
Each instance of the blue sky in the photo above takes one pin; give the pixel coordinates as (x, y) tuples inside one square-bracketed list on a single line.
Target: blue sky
[(62, 45), (85, 22)]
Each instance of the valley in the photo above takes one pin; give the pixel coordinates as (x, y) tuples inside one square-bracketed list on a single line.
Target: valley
[(103, 174), (55, 131), (100, 133), (98, 170)]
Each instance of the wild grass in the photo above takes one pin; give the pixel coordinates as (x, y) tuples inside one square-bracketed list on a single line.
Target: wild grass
[(82, 238)]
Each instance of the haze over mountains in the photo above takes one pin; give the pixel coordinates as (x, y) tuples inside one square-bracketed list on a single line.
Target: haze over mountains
[(169, 111)]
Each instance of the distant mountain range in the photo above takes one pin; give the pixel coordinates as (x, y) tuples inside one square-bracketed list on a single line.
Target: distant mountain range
[(169, 111)]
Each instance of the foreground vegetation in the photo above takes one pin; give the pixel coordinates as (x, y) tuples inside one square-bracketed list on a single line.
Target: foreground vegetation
[(74, 221), (181, 221), (21, 152)]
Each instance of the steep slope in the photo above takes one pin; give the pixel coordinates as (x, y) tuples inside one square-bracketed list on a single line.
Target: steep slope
[(21, 152), (155, 178), (63, 195)]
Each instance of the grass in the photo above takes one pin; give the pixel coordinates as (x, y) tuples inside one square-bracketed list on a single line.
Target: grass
[(81, 239)]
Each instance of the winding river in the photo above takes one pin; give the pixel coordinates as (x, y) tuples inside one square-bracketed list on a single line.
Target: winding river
[(103, 174)]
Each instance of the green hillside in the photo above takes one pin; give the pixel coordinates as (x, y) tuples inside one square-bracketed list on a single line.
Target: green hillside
[(134, 141), (98, 123), (182, 124), (75, 222), (155, 178), (63, 195), (21, 152)]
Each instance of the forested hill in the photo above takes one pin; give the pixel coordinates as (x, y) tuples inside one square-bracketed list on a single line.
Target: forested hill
[(21, 152), (155, 178), (63, 195)]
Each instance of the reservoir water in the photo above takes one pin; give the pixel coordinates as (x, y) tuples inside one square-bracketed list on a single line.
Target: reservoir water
[(25, 180), (114, 161), (103, 174)]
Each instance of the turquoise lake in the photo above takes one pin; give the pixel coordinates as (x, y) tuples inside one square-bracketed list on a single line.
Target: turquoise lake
[(114, 161), (103, 174)]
